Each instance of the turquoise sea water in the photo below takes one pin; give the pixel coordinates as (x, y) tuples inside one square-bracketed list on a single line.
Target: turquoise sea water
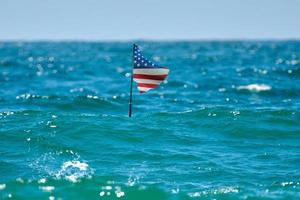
[(225, 125)]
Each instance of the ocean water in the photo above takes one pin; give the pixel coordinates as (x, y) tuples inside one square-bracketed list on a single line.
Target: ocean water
[(225, 124)]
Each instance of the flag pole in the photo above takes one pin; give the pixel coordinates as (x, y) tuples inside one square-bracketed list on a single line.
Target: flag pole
[(130, 96)]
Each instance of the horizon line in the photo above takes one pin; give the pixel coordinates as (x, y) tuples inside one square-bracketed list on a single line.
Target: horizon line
[(147, 40)]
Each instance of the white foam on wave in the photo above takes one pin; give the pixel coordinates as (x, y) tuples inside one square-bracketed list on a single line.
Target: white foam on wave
[(78, 164), (255, 87), (110, 190), (42, 180), (74, 170), (62, 165), (132, 180), (47, 188), (2, 186), (222, 190), (291, 183)]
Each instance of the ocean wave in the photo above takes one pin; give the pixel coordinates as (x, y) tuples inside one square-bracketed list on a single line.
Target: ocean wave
[(63, 102), (104, 187), (289, 72)]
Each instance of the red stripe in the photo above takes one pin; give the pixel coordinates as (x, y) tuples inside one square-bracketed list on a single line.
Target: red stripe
[(147, 85), (153, 77)]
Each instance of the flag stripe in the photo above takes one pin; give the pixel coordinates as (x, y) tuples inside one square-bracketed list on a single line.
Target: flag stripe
[(152, 77), (147, 85), (151, 71), (144, 89), (150, 81)]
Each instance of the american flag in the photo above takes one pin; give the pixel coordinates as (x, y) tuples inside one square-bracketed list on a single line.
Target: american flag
[(147, 74)]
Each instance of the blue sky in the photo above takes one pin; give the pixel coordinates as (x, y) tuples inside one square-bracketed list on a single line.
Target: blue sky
[(149, 19)]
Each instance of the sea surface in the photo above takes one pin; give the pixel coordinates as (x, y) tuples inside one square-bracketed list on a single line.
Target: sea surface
[(225, 124)]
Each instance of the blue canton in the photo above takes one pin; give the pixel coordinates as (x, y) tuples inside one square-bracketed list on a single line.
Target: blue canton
[(139, 61)]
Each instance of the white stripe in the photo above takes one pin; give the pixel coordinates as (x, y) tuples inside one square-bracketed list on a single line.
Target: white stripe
[(150, 71), (149, 81), (144, 89)]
